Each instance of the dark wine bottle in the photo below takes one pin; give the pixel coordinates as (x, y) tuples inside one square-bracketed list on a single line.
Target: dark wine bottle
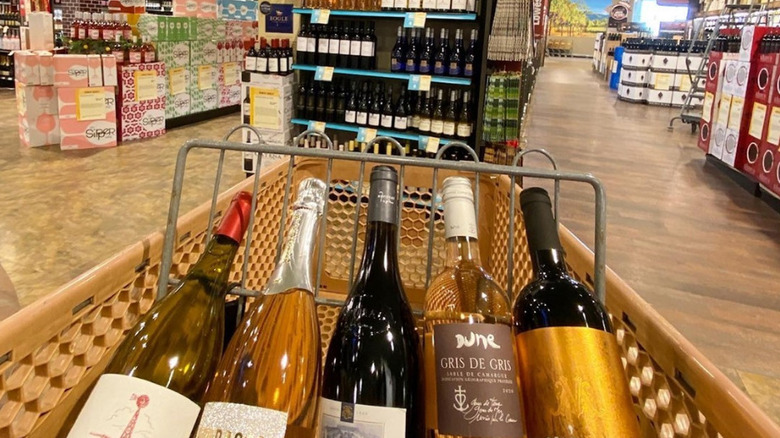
[(443, 54), (426, 56), (350, 115), (368, 48), (344, 47), (361, 117), (262, 57), (322, 98), (401, 117), (300, 102), (464, 126), (341, 102), (311, 102), (450, 116), (414, 115), (424, 124), (375, 109), (312, 44), (412, 53), (387, 110), (471, 55), (373, 368), (397, 59), (302, 45), (323, 46), (457, 56), (355, 42), (333, 46), (330, 104), (555, 316), (437, 117)]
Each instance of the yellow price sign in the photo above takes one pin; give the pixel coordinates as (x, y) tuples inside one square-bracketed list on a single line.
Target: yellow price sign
[(318, 126), (264, 108), (145, 85), (662, 81), (723, 109), (205, 77), (230, 72), (706, 113), (177, 78), (735, 114), (432, 145), (757, 120), (773, 135), (90, 104)]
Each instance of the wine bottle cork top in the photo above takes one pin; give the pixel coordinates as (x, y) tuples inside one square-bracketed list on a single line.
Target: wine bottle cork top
[(534, 194), (236, 219), (457, 187), (384, 173), (311, 194)]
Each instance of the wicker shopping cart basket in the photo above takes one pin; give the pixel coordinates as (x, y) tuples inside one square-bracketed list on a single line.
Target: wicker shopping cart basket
[(53, 350)]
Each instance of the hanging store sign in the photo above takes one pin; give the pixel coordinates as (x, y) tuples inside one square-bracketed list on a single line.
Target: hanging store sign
[(618, 14), (540, 12)]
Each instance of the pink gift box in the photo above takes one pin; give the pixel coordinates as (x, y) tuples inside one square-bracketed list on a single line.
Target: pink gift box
[(109, 71), (38, 120), (95, 70), (141, 120), (27, 67), (86, 134), (195, 8), (71, 71)]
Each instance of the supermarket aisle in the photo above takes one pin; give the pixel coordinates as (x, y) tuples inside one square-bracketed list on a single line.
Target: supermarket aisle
[(61, 213), (691, 242)]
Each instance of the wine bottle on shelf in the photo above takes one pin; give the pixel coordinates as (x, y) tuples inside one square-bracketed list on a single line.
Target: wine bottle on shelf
[(330, 105), (414, 5), (273, 57), (350, 115), (387, 110), (118, 49), (289, 53), (161, 369), (426, 56), (464, 126), (471, 55), (424, 124), (437, 118), (412, 53), (397, 55), (302, 45), (355, 42), (134, 53), (428, 5), (344, 46), (372, 368), (554, 316), (361, 117), (333, 46), (450, 116), (400, 5), (375, 109), (250, 60), (468, 330), (401, 116), (273, 361), (387, 5), (262, 57), (441, 59), (443, 5), (322, 97), (457, 55), (323, 46), (300, 101), (341, 103), (312, 44), (368, 48), (414, 115)]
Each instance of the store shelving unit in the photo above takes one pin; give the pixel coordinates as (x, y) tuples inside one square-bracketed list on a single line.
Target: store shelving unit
[(481, 20), (387, 75), (406, 135)]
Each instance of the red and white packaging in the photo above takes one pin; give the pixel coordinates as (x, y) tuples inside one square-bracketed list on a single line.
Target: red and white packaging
[(142, 93), (127, 6), (195, 8), (712, 94), (762, 88), (84, 123), (229, 84), (735, 77), (718, 140), (37, 115), (749, 41), (768, 152), (27, 67), (71, 71), (110, 75)]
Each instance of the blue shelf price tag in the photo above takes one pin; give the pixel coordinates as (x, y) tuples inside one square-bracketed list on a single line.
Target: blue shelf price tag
[(317, 126), (414, 19), (320, 16), (429, 144), (365, 135), (419, 83), (323, 74)]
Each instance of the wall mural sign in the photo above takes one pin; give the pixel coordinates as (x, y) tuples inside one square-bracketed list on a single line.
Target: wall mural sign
[(577, 17)]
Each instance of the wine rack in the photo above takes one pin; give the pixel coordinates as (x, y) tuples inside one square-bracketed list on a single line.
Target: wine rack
[(379, 132), (386, 75), (390, 14)]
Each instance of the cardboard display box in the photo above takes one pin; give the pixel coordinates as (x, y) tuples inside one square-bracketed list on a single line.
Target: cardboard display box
[(37, 115), (141, 108), (84, 122), (264, 92), (203, 88)]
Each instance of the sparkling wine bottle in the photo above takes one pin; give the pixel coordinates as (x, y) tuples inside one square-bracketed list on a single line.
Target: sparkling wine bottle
[(372, 380), (162, 367), (468, 332), (273, 360), (563, 335)]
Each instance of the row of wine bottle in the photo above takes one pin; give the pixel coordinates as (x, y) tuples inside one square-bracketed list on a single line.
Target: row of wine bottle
[(419, 151), (340, 45), (394, 5), (276, 58), (549, 365), (434, 113), (413, 54)]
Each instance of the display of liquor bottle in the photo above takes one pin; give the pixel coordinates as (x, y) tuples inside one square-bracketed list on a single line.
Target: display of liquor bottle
[(322, 97), (323, 45), (468, 331), (250, 60), (387, 110), (464, 125), (441, 59), (273, 57), (341, 103), (471, 55), (457, 56), (161, 369), (273, 361), (330, 103), (437, 116), (368, 49), (361, 117), (398, 54), (450, 116), (355, 45), (302, 45), (555, 316), (135, 52), (372, 369), (412, 55), (350, 115), (375, 108), (333, 46), (118, 49), (344, 44), (148, 54), (285, 58), (426, 56), (424, 113), (401, 116), (311, 102)]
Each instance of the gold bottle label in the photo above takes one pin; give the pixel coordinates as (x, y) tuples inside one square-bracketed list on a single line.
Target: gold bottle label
[(573, 384)]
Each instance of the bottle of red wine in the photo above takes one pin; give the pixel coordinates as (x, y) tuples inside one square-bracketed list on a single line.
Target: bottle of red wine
[(160, 371), (372, 381), (556, 319)]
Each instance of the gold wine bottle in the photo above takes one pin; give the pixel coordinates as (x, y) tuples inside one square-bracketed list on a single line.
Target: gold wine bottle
[(272, 363), (573, 380), (470, 367), (159, 372)]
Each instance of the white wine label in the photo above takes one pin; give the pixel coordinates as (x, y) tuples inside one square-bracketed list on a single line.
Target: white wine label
[(425, 124), (429, 5), (262, 64), (323, 45), (333, 49), (476, 380), (344, 47), (387, 4), (348, 419), (387, 121), (415, 5), (349, 116), (311, 45), (362, 118), (464, 129), (449, 128), (237, 420), (400, 4), (354, 48), (459, 5), (400, 123), (303, 44), (367, 48), (250, 63), (443, 4), (373, 119), (273, 65), (127, 406), (437, 126)]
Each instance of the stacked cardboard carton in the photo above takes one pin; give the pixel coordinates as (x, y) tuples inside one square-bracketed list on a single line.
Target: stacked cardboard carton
[(142, 101), (36, 99)]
